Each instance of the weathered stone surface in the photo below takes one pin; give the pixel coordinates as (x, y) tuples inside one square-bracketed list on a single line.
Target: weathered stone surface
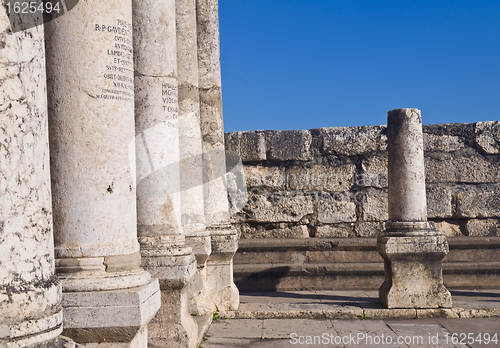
[(450, 162), (268, 177), (375, 205), (416, 261), (373, 172), (368, 229), (275, 208), (479, 203), (252, 146), (461, 168), (220, 282), (232, 142), (209, 73), (331, 211), (439, 202), (335, 231), (217, 212), (248, 232), (30, 294), (411, 247), (291, 145), (93, 185), (319, 178), (488, 136), (406, 166), (449, 229), (190, 139), (351, 141), (480, 228), (443, 143), (190, 153), (113, 316)]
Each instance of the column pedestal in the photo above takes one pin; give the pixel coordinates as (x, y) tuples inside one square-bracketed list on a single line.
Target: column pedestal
[(220, 267), (412, 263), (173, 326), (117, 316)]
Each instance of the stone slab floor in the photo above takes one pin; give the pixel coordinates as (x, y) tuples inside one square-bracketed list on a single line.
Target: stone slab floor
[(340, 319)]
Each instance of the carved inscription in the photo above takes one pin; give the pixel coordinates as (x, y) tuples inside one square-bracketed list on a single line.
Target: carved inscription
[(119, 70), (169, 97)]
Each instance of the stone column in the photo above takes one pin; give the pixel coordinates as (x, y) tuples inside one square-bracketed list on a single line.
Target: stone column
[(163, 246), (30, 294), (224, 236), (411, 246), (191, 154), (107, 297)]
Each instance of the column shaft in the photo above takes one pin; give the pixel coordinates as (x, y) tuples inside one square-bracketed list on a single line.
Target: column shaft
[(217, 214), (30, 294), (191, 155), (91, 119), (163, 246), (407, 200)]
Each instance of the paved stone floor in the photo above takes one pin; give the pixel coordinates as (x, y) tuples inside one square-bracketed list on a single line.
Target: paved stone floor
[(339, 319)]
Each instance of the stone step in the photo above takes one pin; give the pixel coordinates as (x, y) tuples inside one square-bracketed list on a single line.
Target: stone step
[(344, 263), (332, 250), (353, 276)]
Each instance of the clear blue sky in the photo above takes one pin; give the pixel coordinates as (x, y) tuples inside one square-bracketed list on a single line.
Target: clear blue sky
[(303, 64)]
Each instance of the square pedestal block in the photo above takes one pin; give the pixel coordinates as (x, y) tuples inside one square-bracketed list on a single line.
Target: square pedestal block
[(413, 273), (116, 317)]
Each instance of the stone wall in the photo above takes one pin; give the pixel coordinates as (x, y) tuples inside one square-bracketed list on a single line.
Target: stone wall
[(332, 182)]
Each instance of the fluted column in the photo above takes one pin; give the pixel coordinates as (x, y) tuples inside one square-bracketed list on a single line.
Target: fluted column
[(163, 246), (411, 246), (107, 296), (191, 155), (30, 294), (217, 214)]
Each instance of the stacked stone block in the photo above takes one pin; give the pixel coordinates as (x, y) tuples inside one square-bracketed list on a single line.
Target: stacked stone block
[(332, 182)]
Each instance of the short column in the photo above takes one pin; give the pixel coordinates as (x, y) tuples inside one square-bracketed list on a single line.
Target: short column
[(411, 246), (30, 294), (107, 296), (163, 247), (217, 214), (191, 155)]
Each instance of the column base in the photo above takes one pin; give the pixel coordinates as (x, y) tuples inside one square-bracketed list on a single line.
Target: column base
[(220, 282), (174, 265), (48, 328), (31, 317), (117, 318), (413, 272)]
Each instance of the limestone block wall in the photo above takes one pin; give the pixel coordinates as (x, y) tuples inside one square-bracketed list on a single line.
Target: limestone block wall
[(332, 182)]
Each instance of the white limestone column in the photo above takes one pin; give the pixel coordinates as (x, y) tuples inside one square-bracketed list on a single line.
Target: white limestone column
[(411, 246), (407, 200), (224, 236), (163, 246), (191, 155), (91, 119), (30, 294)]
